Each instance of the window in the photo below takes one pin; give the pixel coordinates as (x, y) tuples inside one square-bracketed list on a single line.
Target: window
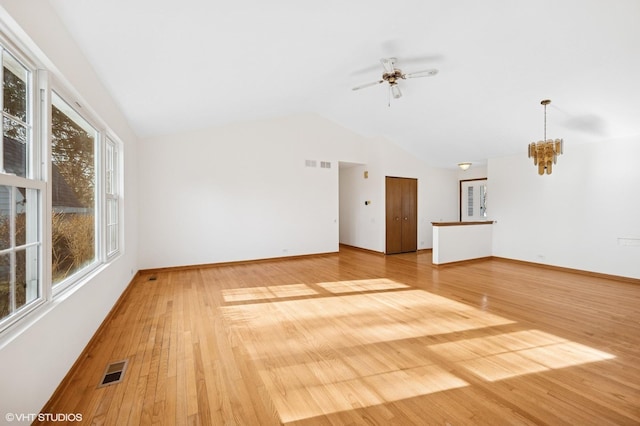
[(79, 196), (111, 189), (73, 185), (20, 194)]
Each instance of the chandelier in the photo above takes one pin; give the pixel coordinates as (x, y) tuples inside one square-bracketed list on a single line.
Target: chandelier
[(546, 151)]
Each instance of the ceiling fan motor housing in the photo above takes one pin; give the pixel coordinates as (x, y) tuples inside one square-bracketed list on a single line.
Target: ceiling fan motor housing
[(392, 77)]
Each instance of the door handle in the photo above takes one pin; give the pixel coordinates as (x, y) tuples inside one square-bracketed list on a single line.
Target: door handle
[(397, 218), (406, 218)]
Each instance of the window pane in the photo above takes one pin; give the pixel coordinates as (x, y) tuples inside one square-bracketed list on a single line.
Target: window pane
[(26, 221), (14, 130), (112, 225), (23, 224), (113, 239), (14, 85), (14, 147), (21, 280), (26, 276), (483, 200), (5, 285), (73, 191), (20, 220), (108, 185), (5, 217)]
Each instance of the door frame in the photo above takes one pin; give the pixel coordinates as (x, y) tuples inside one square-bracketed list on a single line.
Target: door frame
[(460, 194)]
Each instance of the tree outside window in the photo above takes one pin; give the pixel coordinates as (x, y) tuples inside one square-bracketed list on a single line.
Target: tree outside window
[(73, 151)]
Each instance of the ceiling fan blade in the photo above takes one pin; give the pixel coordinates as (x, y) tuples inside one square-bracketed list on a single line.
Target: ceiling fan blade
[(367, 85), (425, 73), (388, 64), (395, 91)]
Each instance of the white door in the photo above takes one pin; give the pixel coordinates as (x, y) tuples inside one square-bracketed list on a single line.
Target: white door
[(473, 200)]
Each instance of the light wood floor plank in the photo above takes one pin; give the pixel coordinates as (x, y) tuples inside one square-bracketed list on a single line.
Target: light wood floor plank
[(360, 338)]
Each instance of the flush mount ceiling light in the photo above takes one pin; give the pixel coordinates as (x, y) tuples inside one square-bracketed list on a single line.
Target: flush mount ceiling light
[(546, 151), (464, 166)]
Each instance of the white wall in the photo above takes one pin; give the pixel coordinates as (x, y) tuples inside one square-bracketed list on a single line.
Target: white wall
[(474, 172), (574, 217), (34, 359), (242, 191), (364, 225), (456, 243), (246, 193)]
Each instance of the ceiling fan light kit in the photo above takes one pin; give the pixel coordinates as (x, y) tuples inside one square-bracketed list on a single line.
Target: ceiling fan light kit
[(393, 75), (545, 152)]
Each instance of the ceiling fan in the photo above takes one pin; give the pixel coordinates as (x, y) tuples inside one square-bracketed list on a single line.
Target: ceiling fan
[(392, 75)]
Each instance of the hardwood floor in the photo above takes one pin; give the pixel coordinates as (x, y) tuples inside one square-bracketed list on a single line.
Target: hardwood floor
[(361, 338)]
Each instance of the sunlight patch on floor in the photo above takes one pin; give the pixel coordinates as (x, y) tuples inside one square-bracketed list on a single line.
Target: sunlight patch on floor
[(379, 284), (513, 354), (357, 319), (271, 292), (332, 353), (361, 392)]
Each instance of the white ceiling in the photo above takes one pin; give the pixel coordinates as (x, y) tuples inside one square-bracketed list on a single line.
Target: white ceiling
[(178, 65)]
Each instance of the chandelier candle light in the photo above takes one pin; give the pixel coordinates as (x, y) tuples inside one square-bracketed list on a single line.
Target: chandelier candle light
[(546, 151)]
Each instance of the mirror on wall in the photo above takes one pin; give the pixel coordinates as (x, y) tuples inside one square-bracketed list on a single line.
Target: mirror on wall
[(473, 200)]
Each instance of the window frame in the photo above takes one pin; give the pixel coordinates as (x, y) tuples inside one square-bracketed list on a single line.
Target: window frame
[(98, 259), (32, 179), (112, 165)]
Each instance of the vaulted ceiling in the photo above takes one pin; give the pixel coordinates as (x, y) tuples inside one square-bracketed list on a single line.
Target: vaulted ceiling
[(178, 65)]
